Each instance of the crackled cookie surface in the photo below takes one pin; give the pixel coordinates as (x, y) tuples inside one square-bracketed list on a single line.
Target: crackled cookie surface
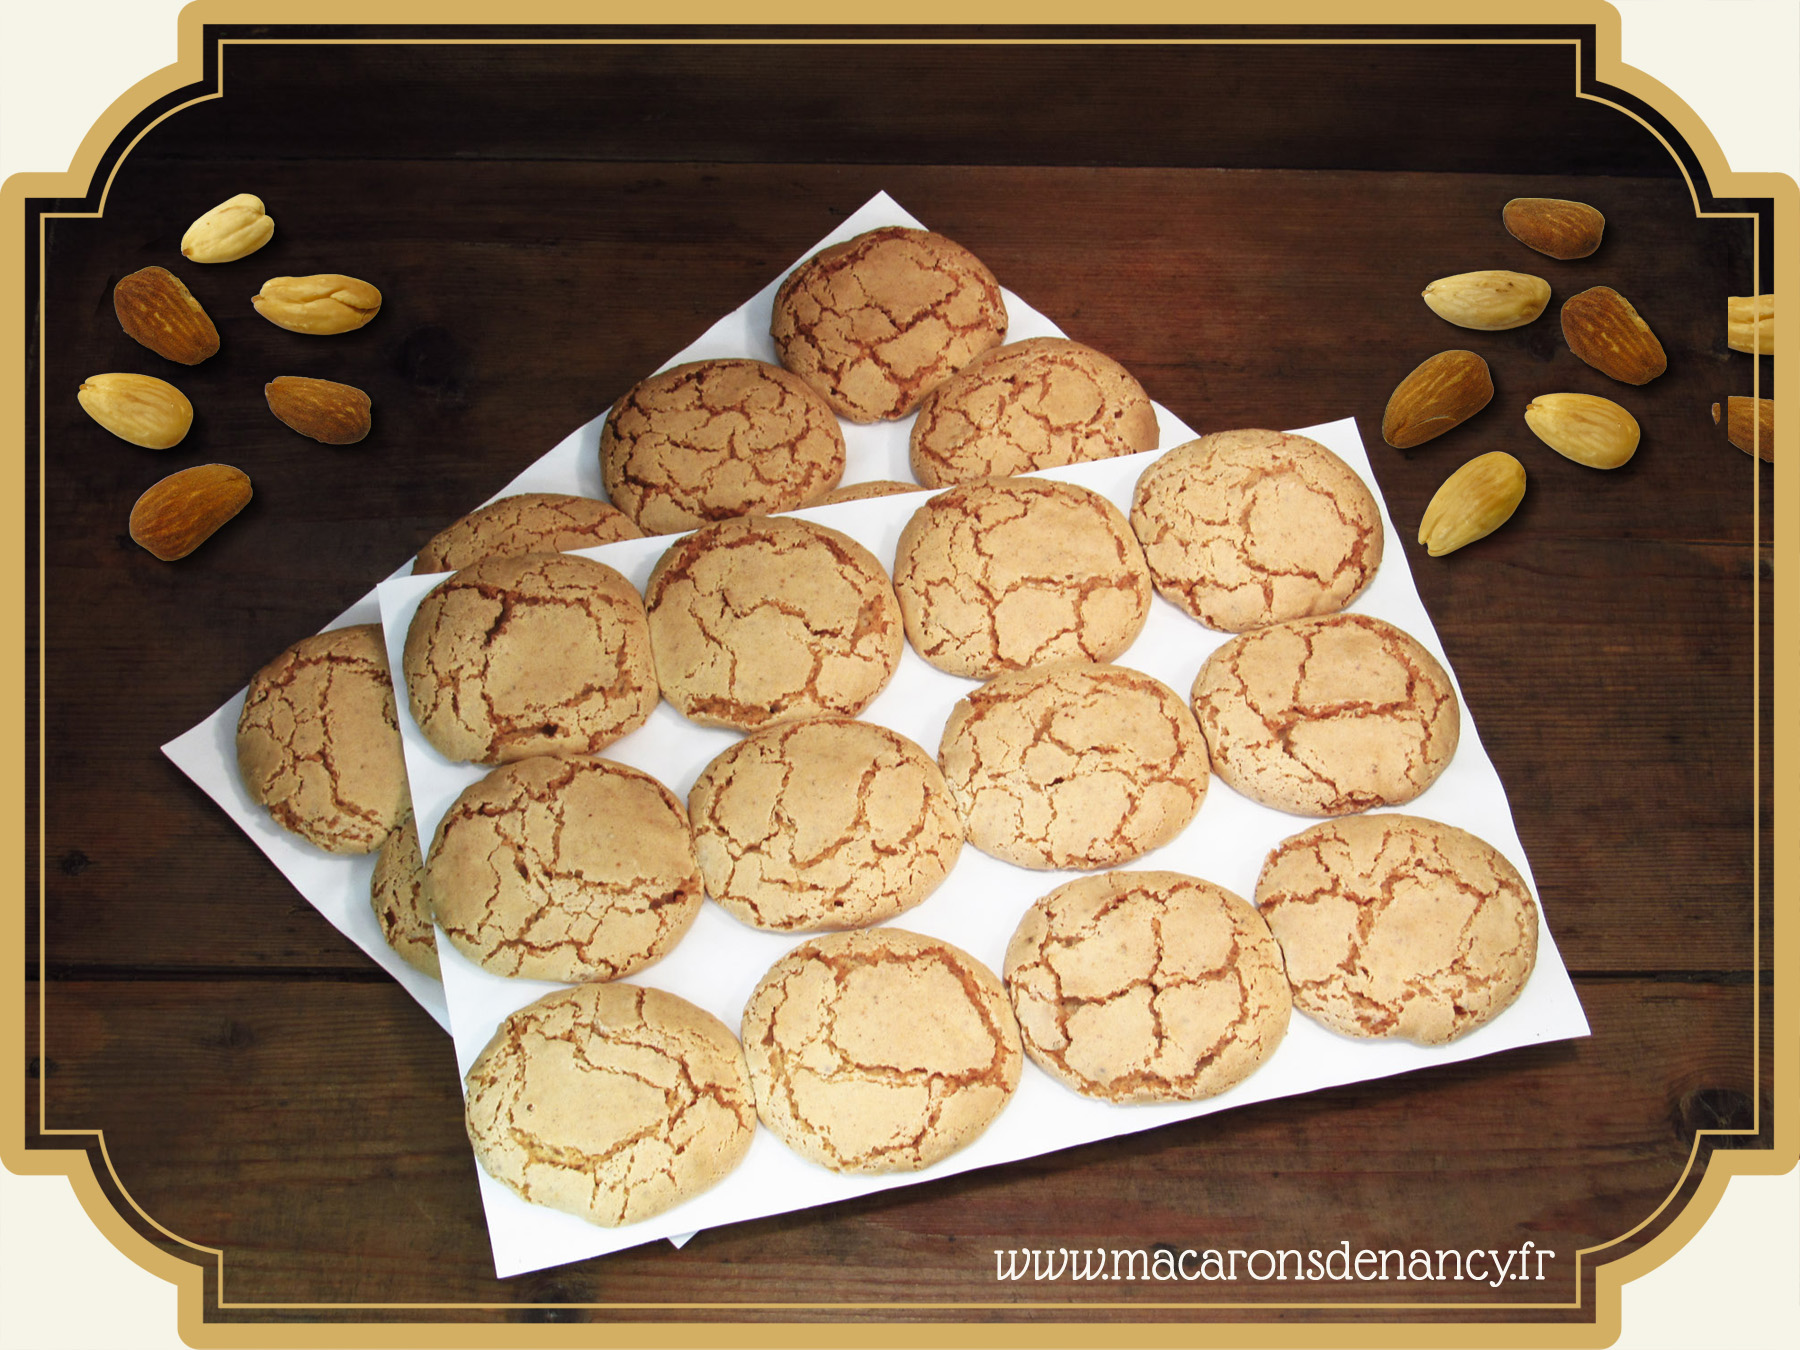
[(1394, 925), (1147, 987), (611, 1102), (758, 620), (1322, 717), (530, 522), (1245, 528), (564, 869), (1073, 765), (877, 322), (713, 439), (1002, 574), (397, 894), (856, 492), (823, 823), (538, 654), (1036, 404), (879, 1050), (318, 741)]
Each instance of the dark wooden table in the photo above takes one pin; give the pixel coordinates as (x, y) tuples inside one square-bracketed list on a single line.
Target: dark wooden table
[(1247, 227)]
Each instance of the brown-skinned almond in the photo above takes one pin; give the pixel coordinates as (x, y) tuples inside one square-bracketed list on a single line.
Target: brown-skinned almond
[(177, 515), (1443, 392), (331, 413), (1603, 329), (1750, 423), (156, 309), (1553, 226)]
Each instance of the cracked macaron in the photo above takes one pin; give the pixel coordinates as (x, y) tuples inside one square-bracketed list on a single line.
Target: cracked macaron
[(1327, 716), (1397, 926), (402, 908), (1246, 528), (880, 1050), (710, 440), (1006, 573), (528, 522), (1147, 987), (760, 620), (610, 1102), (823, 823), (543, 653), (1073, 765), (1037, 404), (879, 321), (318, 741), (565, 869)]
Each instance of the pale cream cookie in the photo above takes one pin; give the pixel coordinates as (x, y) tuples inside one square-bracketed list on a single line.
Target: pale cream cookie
[(760, 620), (1246, 528), (530, 522), (879, 1050), (1147, 987), (544, 653), (1073, 765), (823, 823), (611, 1102), (402, 907), (1323, 717), (1396, 926), (564, 869), (877, 322), (318, 741), (1005, 573)]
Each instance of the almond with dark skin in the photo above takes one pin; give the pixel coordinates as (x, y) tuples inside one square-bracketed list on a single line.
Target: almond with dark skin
[(328, 412), (1445, 391), (154, 308), (1554, 227), (1750, 423), (177, 515), (1603, 329)]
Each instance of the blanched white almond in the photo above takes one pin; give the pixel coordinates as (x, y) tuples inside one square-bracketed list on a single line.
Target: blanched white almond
[(233, 229), (138, 408), (1489, 301), (1586, 428), (1473, 502)]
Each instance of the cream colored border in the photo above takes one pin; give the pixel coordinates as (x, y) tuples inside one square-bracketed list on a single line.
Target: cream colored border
[(1610, 1276)]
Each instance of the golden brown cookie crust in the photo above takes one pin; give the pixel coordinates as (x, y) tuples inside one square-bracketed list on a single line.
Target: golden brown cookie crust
[(1006, 573), (545, 653), (856, 492), (755, 621), (877, 322), (1323, 717), (879, 1050), (1073, 765), (1398, 926), (1246, 528), (402, 908), (1036, 404), (318, 741), (823, 823), (564, 869), (710, 440), (529, 522), (610, 1102), (1147, 987)]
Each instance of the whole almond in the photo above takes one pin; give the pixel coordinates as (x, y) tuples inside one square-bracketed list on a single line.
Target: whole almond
[(1444, 391), (177, 515), (138, 408), (1561, 229), (1490, 301), (335, 414), (1750, 324), (326, 303), (233, 229), (1473, 502), (1603, 329), (154, 308), (1586, 428), (1750, 423)]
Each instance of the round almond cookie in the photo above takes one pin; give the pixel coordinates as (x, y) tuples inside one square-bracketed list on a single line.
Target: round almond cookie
[(714, 439), (611, 1102), (1005, 573), (823, 823), (564, 869), (879, 321), (879, 1050), (856, 492), (1147, 987), (397, 895), (544, 653), (759, 620), (1036, 404), (1323, 717), (530, 522), (1246, 528), (318, 741), (1073, 765), (1396, 926)]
